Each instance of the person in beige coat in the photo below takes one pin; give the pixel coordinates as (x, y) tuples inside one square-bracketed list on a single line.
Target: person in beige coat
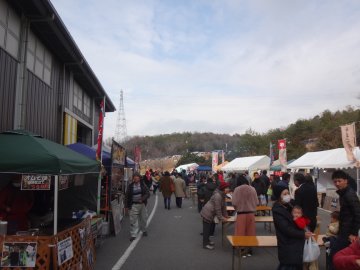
[(245, 200), (180, 189)]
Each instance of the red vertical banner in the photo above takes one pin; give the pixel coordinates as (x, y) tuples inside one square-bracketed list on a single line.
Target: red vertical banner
[(100, 133), (137, 154), (282, 152)]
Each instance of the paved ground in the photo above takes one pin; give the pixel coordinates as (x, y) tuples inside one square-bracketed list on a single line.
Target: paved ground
[(174, 243)]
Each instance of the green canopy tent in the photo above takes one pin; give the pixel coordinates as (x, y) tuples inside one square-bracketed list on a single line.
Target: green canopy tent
[(22, 152)]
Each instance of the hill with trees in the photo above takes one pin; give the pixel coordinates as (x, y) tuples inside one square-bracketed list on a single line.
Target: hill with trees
[(321, 132)]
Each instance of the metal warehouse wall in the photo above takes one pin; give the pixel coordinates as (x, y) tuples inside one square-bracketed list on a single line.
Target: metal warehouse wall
[(42, 110), (7, 90)]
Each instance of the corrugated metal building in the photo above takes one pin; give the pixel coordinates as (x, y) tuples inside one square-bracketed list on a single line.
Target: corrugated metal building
[(46, 84)]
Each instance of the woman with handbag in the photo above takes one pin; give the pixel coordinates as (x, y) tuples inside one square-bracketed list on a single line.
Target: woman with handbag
[(290, 238)]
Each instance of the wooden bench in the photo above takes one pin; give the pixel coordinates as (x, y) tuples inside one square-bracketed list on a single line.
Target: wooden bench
[(238, 242), (267, 220)]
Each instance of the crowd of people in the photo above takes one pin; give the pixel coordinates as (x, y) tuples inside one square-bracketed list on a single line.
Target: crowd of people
[(294, 215)]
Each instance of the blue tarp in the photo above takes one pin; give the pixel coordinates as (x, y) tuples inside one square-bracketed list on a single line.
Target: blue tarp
[(91, 153), (204, 169)]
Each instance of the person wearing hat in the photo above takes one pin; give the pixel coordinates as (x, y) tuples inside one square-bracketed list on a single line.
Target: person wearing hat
[(290, 238), (135, 203), (214, 208), (245, 200)]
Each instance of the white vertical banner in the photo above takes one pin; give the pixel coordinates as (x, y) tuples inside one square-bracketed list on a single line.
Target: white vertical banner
[(215, 160), (349, 140), (282, 153)]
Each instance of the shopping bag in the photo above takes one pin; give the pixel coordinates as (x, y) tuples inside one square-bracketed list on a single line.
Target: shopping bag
[(311, 250)]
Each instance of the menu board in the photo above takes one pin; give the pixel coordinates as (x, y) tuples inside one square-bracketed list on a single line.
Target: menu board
[(35, 182)]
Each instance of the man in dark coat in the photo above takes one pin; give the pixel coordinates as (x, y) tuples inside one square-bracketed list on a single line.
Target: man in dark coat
[(266, 180), (306, 198), (208, 191), (285, 179), (259, 185), (349, 218)]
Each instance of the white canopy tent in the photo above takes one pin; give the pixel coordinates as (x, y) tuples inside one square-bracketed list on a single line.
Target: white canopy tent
[(308, 160), (328, 159), (248, 164), (187, 167)]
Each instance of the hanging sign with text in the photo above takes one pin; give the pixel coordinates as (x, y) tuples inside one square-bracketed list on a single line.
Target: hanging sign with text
[(35, 182)]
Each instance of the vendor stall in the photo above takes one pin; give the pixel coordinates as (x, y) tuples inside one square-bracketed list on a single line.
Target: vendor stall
[(187, 167), (321, 164), (41, 171), (250, 164), (112, 192)]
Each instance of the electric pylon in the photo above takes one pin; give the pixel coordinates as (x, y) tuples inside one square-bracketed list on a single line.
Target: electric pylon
[(121, 131)]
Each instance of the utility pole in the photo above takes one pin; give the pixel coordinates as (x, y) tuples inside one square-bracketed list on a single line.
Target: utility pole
[(121, 130)]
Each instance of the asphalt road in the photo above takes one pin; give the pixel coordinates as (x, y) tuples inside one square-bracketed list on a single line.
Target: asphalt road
[(174, 243)]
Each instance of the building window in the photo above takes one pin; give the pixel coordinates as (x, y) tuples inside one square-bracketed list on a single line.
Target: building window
[(86, 105), (10, 26), (78, 97), (39, 59), (82, 103)]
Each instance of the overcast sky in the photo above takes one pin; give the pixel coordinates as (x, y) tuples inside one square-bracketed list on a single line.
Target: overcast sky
[(219, 66)]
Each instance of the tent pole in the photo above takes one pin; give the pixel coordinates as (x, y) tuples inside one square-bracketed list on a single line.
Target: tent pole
[(101, 150), (56, 197), (98, 194), (358, 180)]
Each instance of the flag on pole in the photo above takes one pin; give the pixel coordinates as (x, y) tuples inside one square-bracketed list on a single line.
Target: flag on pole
[(349, 140), (215, 160), (282, 152), (100, 133), (272, 155)]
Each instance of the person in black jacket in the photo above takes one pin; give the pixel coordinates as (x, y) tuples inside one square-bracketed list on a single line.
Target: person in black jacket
[(306, 198), (259, 185), (135, 203), (349, 217), (290, 238), (208, 191), (266, 180), (201, 192)]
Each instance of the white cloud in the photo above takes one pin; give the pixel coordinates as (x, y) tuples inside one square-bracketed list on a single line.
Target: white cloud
[(222, 66)]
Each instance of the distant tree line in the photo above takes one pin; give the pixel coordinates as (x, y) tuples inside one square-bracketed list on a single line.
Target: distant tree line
[(321, 132)]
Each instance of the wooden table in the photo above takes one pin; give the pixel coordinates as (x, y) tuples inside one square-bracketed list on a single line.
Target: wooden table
[(267, 220), (265, 208), (238, 242)]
